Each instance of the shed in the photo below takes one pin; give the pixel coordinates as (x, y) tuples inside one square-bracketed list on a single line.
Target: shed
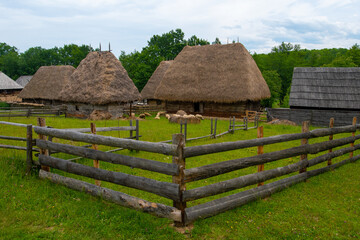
[(217, 80), (7, 85), (23, 80), (100, 82)]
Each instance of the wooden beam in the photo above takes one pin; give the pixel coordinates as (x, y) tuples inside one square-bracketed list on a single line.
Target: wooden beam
[(42, 124), (331, 137)]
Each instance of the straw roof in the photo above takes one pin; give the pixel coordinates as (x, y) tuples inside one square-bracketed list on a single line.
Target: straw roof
[(334, 88), (7, 83), (47, 82), (213, 73), (23, 80), (148, 91), (100, 79)]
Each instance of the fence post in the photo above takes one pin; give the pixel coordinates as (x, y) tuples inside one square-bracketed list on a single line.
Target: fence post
[(29, 146), (211, 132), (137, 129), (179, 160), (260, 134), (246, 123), (230, 125), (131, 131), (42, 123), (215, 127), (304, 129), (353, 134), (331, 137), (185, 130), (95, 147), (233, 126)]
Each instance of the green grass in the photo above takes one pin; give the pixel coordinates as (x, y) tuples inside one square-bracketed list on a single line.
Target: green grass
[(327, 206)]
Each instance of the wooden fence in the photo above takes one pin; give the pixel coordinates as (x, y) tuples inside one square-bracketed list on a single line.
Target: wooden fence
[(176, 190), (9, 112)]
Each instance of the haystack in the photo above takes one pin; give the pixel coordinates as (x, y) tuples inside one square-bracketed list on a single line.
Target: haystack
[(213, 80), (100, 82), (45, 86), (7, 85)]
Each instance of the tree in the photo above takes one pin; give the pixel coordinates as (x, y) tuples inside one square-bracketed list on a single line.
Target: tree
[(217, 41), (273, 80), (354, 53)]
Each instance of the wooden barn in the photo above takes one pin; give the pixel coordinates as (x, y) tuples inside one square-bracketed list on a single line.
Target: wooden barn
[(24, 80), (7, 85), (318, 94), (148, 92), (216, 80), (46, 84), (100, 82)]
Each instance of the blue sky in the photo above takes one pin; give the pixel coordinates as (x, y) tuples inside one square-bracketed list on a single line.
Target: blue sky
[(128, 25)]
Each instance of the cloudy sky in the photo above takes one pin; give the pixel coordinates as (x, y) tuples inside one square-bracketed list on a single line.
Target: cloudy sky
[(129, 24)]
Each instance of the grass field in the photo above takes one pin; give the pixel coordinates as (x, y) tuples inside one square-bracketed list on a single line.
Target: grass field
[(327, 206)]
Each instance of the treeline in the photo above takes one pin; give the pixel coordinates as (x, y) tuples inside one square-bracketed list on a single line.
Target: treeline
[(277, 66)]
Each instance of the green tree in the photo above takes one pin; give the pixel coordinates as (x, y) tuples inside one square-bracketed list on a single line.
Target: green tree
[(354, 53), (217, 41), (273, 80)]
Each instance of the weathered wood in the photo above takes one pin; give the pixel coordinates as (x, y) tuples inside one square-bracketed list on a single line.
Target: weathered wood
[(211, 129), (165, 189), (179, 160), (197, 138), (157, 209), (95, 147), (102, 129), (227, 146), (215, 169), (13, 124), (29, 147), (13, 138), (135, 162), (163, 148), (131, 131), (137, 129), (240, 182), (353, 134), (42, 124), (215, 127), (260, 150), (331, 137), (13, 147), (304, 129)]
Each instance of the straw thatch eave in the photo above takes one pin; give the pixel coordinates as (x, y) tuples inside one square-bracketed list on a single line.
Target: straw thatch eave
[(100, 79), (148, 91), (24, 80), (213, 73), (47, 83), (6, 83)]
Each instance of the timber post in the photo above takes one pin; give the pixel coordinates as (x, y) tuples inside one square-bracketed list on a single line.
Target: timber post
[(131, 131), (353, 134), (304, 141), (233, 125), (95, 147), (179, 160), (29, 146), (214, 136), (42, 123), (137, 129), (261, 167), (212, 129), (331, 137)]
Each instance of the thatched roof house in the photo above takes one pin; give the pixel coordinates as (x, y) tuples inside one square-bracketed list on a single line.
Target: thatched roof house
[(23, 80), (46, 85), (148, 91), (325, 88), (213, 79), (100, 82), (8, 85)]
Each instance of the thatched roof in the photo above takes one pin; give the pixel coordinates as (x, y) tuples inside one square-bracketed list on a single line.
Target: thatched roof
[(148, 91), (7, 83), (336, 88), (47, 82), (214, 73), (23, 80), (100, 79)]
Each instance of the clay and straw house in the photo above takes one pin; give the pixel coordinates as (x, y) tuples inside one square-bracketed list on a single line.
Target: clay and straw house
[(100, 82), (148, 92), (216, 80), (8, 86), (46, 84)]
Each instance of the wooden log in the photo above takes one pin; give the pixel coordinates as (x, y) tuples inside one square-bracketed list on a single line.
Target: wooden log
[(196, 138), (164, 189), (41, 123), (131, 131), (179, 160), (13, 147), (353, 134), (13, 138), (232, 201), (219, 135), (215, 127), (95, 147), (240, 182), (260, 150), (166, 149), (331, 137), (215, 169), (135, 162), (227, 146), (102, 129), (122, 199), (29, 147), (13, 124), (137, 130), (304, 141)]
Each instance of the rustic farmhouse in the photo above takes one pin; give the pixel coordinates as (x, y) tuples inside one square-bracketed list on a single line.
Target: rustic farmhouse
[(221, 80), (7, 85), (100, 82), (318, 94), (23, 80), (46, 84), (148, 92)]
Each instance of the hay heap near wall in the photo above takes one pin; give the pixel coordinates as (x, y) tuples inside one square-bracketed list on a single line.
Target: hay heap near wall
[(148, 91), (46, 84), (100, 82), (213, 80)]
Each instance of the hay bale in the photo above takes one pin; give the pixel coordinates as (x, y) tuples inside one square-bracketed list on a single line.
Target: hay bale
[(199, 116), (282, 122), (132, 116), (191, 119), (157, 117), (175, 118), (167, 116), (147, 114), (142, 115), (181, 112), (100, 115)]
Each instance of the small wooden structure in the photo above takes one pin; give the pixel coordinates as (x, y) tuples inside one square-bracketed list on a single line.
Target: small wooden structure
[(7, 85), (217, 80)]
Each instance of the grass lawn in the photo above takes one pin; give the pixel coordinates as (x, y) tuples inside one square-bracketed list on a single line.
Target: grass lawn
[(324, 207)]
